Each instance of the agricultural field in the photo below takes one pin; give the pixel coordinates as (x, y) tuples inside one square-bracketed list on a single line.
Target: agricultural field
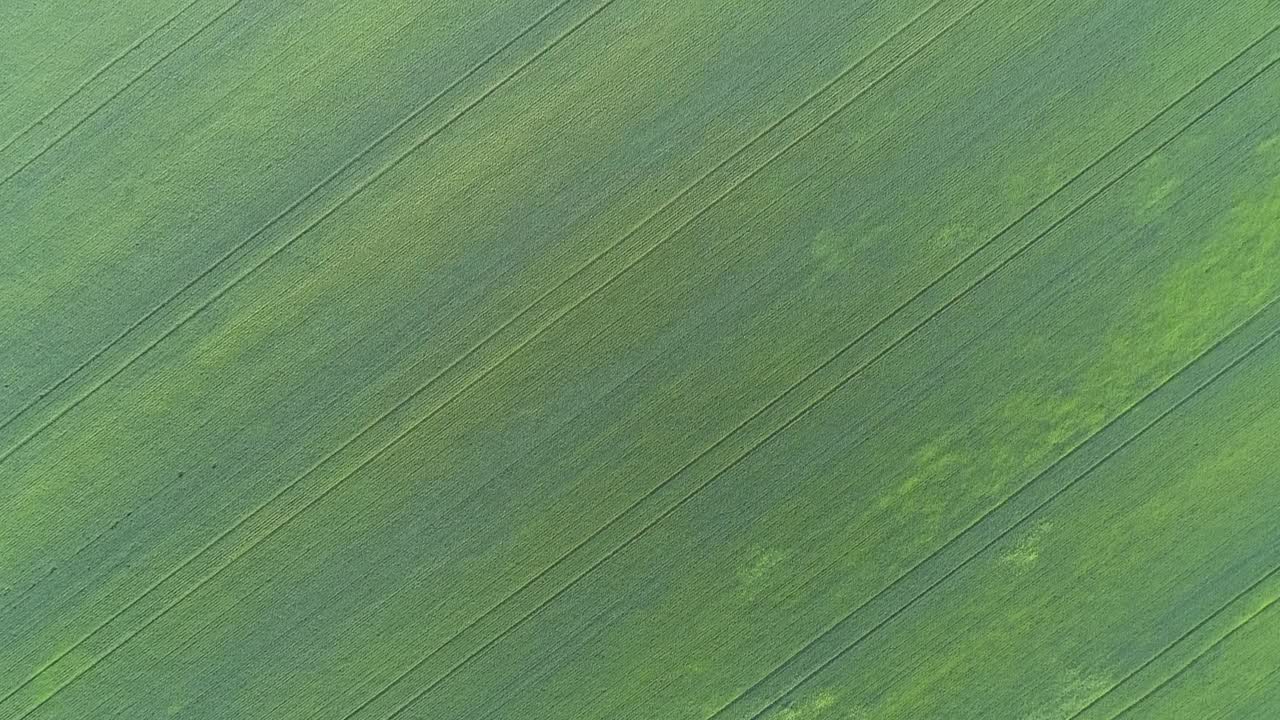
[(666, 360)]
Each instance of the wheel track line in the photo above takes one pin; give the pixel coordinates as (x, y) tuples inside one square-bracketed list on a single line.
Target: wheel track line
[(1048, 500), (198, 553), (307, 195), (727, 436), (1235, 363), (471, 351), (416, 424), (1174, 643), (900, 308), (525, 586), (508, 355), (1200, 655), (630, 377), (786, 392), (667, 204), (981, 248), (39, 397), (76, 126), (394, 409), (100, 72), (1008, 499)]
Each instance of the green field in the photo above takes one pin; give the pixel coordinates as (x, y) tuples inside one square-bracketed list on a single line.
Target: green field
[(576, 359)]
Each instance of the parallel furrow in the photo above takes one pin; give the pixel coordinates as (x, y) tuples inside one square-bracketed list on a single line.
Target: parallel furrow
[(57, 139), (850, 630), (95, 77), (249, 255), (815, 387), (340, 172), (1183, 652), (294, 498), (1127, 710), (666, 497), (871, 345), (1011, 514)]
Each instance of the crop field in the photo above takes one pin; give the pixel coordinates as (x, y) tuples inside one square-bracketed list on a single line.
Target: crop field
[(640, 359)]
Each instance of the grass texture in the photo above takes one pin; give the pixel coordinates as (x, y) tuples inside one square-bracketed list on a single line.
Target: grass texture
[(574, 359)]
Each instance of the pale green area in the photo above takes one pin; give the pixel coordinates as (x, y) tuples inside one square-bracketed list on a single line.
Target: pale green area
[(314, 616)]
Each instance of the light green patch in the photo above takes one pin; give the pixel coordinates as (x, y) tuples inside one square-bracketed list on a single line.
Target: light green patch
[(1242, 669), (810, 709), (1026, 551), (1152, 191), (1150, 343), (954, 238), (1026, 187), (1235, 271), (1075, 689), (834, 252), (934, 461), (1035, 425), (1157, 199), (761, 563)]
